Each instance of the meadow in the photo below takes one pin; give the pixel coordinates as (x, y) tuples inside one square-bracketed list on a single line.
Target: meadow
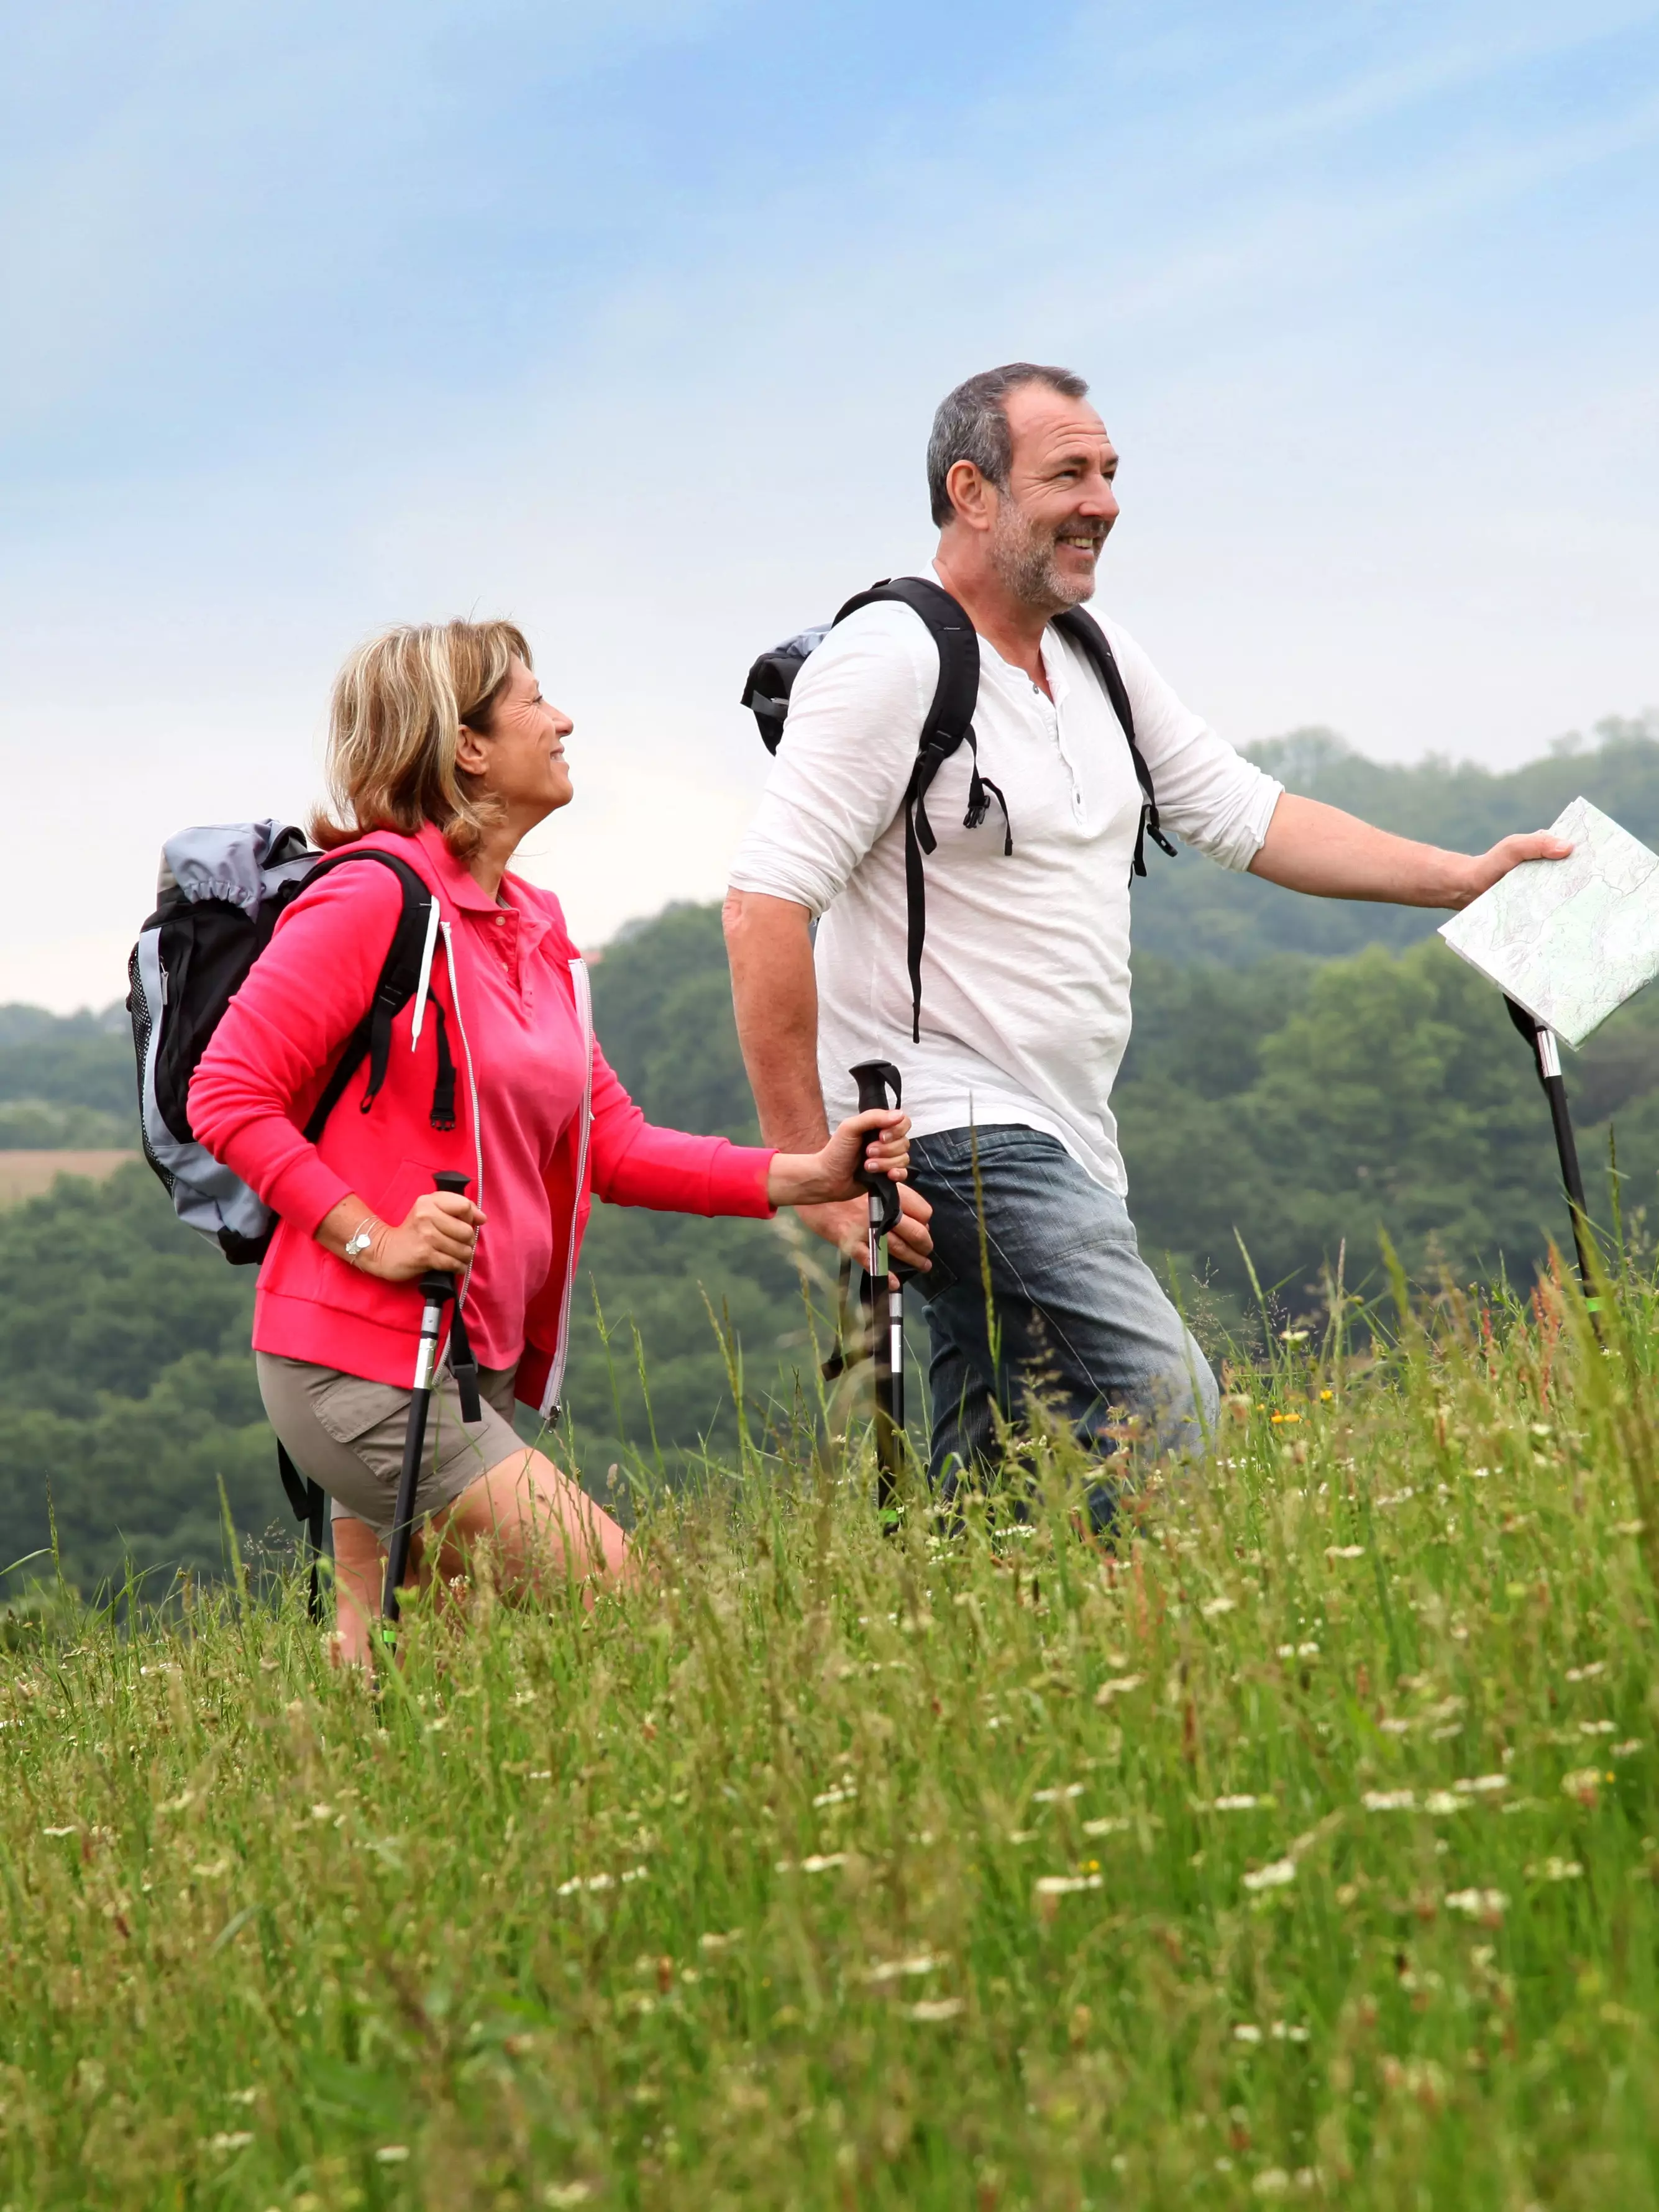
[(1299, 1844)]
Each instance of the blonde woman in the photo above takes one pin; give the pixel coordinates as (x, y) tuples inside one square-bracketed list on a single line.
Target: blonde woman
[(444, 752)]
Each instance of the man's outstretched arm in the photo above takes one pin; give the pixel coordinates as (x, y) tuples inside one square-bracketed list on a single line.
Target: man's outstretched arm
[(1313, 848), (775, 993)]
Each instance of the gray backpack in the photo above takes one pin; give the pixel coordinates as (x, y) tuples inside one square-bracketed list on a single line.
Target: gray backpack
[(220, 892)]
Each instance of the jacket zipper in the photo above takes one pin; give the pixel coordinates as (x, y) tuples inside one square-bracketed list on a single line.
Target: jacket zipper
[(578, 984), (471, 1085)]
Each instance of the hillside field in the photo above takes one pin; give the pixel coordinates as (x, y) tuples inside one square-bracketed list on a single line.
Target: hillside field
[(1300, 1847)]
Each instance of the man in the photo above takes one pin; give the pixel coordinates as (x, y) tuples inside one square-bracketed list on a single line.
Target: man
[(1024, 1010)]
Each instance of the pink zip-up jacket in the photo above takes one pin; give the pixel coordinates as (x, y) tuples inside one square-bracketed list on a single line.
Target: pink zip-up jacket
[(272, 1053)]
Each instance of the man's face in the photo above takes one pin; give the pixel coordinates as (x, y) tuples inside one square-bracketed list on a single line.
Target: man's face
[(1052, 519)]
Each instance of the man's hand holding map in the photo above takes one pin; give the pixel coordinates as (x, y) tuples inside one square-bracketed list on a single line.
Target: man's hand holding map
[(1569, 941)]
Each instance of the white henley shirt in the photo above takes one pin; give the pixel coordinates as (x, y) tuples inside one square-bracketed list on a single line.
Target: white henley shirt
[(1025, 971)]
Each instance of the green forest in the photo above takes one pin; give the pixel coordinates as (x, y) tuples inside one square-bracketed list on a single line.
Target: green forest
[(1303, 1077)]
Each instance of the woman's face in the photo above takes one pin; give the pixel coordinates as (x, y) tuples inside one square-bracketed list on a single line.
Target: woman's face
[(520, 757)]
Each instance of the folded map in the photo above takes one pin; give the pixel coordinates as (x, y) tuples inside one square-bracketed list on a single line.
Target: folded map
[(1569, 941)]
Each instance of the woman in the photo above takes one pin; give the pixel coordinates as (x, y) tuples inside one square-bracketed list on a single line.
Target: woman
[(443, 753)]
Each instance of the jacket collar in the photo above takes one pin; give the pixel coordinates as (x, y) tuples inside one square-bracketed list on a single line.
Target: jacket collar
[(455, 880)]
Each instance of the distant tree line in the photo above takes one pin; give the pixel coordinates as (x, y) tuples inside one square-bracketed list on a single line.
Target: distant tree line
[(1275, 1100)]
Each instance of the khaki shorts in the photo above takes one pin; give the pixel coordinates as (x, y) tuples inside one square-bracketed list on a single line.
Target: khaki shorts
[(348, 1435)]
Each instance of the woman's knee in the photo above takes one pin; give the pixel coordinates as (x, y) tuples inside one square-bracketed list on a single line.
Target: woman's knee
[(537, 1519)]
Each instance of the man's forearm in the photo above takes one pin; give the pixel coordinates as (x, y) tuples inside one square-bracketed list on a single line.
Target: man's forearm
[(1313, 848), (775, 993)]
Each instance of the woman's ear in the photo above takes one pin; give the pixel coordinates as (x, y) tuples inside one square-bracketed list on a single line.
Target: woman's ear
[(471, 756)]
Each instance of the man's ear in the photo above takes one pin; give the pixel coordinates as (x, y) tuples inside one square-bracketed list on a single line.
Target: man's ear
[(973, 499)]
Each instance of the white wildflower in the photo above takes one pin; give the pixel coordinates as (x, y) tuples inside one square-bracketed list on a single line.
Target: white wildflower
[(1345, 1551), (596, 1882), (1244, 2032), (841, 1796), (1286, 2032), (1389, 1801), (1111, 1825), (1214, 1607), (1554, 1869), (1120, 1686), (1442, 1801), (893, 1970), (392, 2153), (1065, 1885), (1587, 1674), (1274, 1875), (1053, 1796), (1480, 1785), (234, 2139), (1478, 1903), (934, 2008), (1272, 2181), (1244, 1802)]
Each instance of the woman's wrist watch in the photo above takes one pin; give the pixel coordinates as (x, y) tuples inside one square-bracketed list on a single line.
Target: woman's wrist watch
[(359, 1242)]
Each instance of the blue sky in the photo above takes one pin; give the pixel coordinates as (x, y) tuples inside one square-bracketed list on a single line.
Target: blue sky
[(630, 323)]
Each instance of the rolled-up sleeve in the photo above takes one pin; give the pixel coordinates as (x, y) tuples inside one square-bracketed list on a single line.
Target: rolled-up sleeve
[(856, 715), (1208, 794)]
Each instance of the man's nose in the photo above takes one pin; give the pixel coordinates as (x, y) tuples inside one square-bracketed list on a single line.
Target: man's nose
[(1101, 501)]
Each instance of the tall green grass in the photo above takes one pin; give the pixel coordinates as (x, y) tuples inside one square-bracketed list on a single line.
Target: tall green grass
[(1302, 1846)]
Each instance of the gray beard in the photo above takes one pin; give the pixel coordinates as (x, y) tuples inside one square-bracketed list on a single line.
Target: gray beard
[(1024, 562)]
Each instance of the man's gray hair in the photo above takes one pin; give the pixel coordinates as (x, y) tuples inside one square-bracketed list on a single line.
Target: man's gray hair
[(972, 425)]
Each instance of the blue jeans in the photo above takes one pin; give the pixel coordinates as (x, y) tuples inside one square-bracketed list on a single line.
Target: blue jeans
[(1081, 1320)]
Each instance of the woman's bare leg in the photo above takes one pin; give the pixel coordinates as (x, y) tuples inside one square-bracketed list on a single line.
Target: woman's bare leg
[(543, 1527), (358, 1568)]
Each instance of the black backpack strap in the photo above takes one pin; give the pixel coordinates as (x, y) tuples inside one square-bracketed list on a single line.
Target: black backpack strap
[(949, 724), (310, 1504), (1080, 627), (399, 979)]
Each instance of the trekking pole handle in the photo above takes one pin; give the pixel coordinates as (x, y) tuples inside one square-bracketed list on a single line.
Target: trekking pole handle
[(435, 1283), (875, 1079)]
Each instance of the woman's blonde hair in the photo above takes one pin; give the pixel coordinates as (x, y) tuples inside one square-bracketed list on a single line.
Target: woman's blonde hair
[(394, 724)]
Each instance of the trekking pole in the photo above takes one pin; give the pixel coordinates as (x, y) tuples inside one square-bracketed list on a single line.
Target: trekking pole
[(875, 1079), (437, 1288), (1546, 1058)]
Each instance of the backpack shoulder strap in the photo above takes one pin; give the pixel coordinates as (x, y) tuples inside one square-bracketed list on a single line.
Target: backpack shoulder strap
[(402, 973), (948, 723), (1079, 626), (956, 693)]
